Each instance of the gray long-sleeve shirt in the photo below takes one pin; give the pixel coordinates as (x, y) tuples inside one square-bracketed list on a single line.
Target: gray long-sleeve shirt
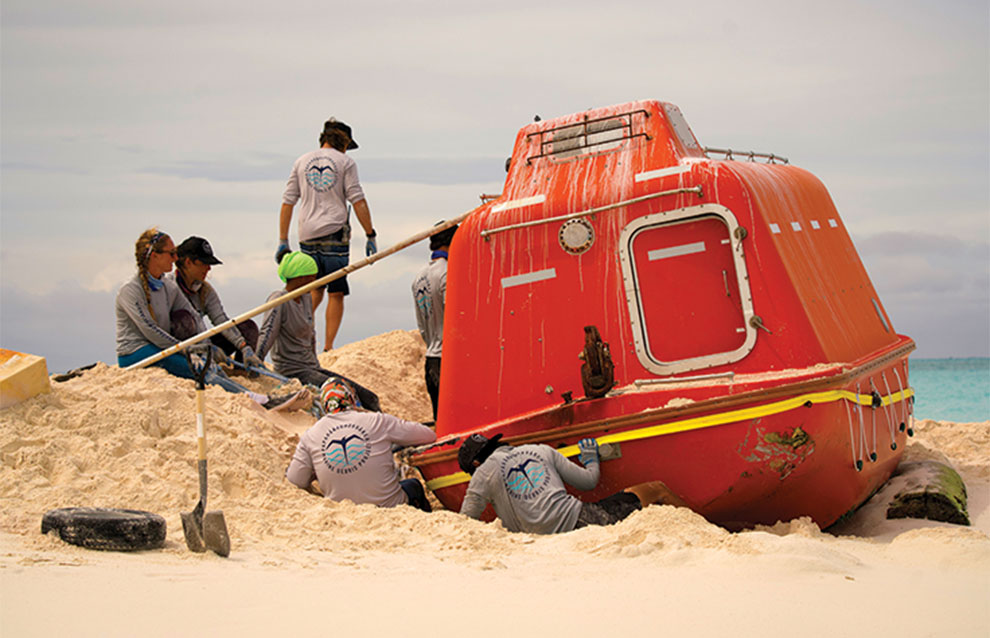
[(135, 326), (209, 306), (288, 333), (322, 181), (429, 289), (350, 453), (525, 485)]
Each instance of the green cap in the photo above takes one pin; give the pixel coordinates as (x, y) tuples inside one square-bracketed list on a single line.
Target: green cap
[(296, 264)]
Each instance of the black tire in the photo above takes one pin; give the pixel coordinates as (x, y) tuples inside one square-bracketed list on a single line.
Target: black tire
[(106, 528)]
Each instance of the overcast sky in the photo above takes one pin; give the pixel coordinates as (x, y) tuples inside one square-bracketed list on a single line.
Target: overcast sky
[(117, 116)]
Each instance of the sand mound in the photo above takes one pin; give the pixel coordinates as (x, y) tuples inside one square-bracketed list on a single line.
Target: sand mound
[(391, 365), (966, 446)]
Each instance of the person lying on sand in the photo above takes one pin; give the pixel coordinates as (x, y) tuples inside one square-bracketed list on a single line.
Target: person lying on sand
[(287, 331), (525, 486), (195, 258), (145, 307), (349, 452)]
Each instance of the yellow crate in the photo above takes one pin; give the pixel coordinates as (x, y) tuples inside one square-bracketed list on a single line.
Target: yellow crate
[(22, 376)]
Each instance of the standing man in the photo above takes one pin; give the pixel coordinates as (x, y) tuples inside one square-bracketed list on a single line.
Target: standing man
[(429, 290), (323, 182)]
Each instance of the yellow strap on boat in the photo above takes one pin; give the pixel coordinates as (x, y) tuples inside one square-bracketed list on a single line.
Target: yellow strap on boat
[(707, 421)]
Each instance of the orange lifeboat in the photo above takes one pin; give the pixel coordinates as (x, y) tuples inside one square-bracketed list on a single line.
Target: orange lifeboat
[(707, 320)]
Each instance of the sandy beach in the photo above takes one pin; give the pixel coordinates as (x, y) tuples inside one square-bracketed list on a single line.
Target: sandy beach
[(300, 563)]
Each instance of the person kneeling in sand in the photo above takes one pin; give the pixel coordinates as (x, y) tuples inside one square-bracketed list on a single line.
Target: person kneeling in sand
[(194, 259), (288, 332), (349, 451), (525, 486)]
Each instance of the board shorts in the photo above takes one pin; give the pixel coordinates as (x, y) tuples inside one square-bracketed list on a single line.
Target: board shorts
[(609, 510), (331, 253)]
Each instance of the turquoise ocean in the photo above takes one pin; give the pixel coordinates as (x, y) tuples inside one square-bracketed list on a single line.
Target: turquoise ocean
[(951, 389)]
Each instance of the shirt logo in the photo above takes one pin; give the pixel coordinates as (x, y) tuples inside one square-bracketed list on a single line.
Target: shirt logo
[(525, 474), (422, 297), (345, 448), (321, 174)]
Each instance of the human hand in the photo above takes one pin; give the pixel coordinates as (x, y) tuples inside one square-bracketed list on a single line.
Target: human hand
[(589, 451), (371, 247), (282, 250), (250, 358), (220, 357)]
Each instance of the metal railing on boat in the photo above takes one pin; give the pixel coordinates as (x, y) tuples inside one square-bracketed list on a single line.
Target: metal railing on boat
[(772, 158)]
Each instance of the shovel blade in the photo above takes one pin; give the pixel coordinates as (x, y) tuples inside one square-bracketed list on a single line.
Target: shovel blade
[(215, 534), (192, 527)]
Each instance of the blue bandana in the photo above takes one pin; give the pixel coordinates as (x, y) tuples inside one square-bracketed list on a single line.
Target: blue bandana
[(438, 254), (155, 284), (157, 237)]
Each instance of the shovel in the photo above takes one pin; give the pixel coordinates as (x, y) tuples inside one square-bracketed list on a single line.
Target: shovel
[(209, 530)]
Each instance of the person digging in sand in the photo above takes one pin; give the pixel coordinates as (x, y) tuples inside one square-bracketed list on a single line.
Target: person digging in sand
[(525, 486), (287, 330), (195, 259), (146, 307), (349, 452)]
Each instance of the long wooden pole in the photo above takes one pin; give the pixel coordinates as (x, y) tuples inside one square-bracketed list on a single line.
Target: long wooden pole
[(322, 281)]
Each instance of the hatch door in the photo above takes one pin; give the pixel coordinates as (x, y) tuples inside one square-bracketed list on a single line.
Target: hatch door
[(687, 289)]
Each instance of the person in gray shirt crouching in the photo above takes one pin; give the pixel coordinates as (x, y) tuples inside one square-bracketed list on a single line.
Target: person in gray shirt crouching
[(288, 333), (525, 486)]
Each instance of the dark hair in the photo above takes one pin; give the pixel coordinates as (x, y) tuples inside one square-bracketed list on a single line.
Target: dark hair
[(336, 138), (443, 238)]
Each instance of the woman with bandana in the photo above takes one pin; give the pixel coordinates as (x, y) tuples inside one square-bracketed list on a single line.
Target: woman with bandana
[(349, 452), (145, 306)]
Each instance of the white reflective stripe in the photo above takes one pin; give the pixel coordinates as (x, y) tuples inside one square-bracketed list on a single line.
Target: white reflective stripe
[(725, 241), (832, 223), (676, 251), (528, 278), (661, 172), (519, 203), (814, 224), (740, 330), (200, 431), (775, 229), (796, 226)]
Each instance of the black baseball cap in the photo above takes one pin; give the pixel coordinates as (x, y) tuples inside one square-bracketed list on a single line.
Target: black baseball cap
[(477, 447), (197, 248), (332, 124)]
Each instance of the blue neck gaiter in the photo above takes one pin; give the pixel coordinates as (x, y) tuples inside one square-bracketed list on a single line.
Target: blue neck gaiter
[(154, 283)]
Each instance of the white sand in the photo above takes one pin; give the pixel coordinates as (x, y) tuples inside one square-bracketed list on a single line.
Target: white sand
[(303, 564)]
